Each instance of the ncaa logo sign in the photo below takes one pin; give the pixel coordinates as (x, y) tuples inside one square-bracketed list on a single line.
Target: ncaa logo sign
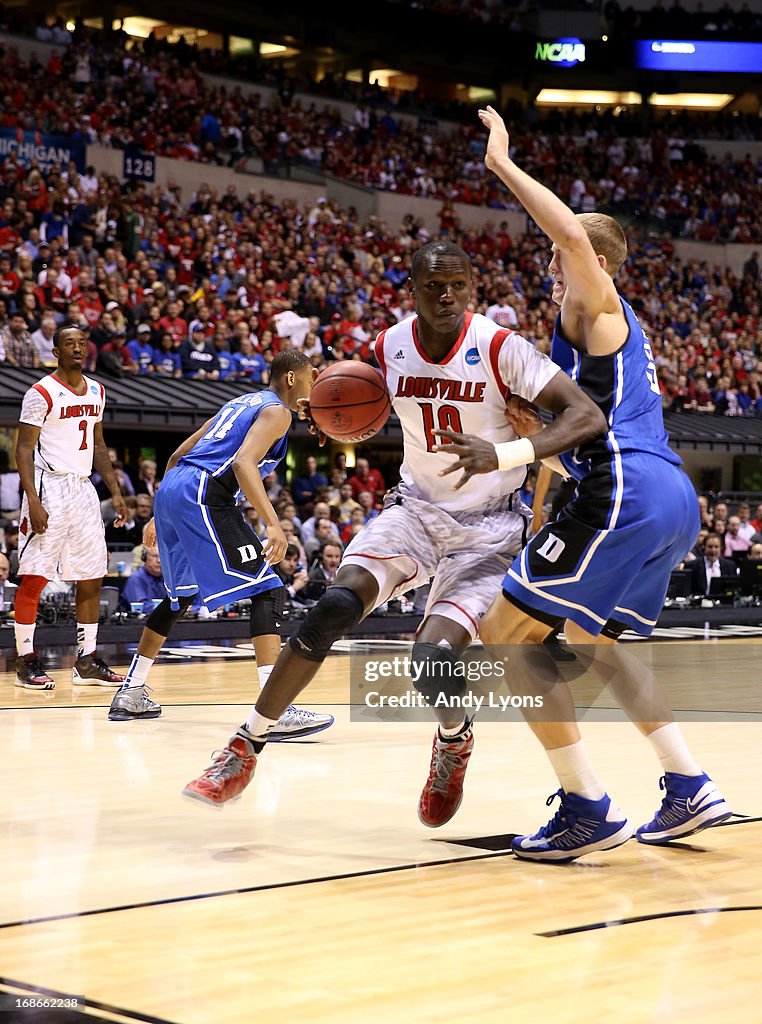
[(94, 389), (472, 356)]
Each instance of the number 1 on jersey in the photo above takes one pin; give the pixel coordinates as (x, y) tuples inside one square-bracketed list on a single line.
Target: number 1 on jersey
[(448, 418)]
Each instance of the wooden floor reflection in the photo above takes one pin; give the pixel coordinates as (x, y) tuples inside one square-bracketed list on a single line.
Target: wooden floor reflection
[(319, 897)]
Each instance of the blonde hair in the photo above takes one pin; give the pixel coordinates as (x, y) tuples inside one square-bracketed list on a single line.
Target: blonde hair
[(607, 238)]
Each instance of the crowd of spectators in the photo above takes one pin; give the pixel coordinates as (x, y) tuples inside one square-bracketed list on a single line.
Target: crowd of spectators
[(161, 107), (161, 103), (215, 286)]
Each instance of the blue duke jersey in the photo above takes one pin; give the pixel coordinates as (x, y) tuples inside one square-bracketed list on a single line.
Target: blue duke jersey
[(205, 544), (625, 388), (605, 562), (217, 449)]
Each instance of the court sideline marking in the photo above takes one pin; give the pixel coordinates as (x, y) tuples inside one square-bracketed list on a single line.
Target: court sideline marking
[(250, 889)]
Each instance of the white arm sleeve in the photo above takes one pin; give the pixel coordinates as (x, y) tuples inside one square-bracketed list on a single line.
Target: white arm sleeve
[(523, 369), (34, 408)]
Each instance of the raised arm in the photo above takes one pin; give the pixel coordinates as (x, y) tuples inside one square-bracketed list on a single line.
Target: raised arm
[(588, 285)]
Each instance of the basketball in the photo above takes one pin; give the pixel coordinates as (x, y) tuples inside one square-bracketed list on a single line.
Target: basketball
[(349, 401)]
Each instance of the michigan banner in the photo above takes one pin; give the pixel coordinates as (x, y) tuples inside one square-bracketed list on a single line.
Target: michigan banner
[(45, 149)]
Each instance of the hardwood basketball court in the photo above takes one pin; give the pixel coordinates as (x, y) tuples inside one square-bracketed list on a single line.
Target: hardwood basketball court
[(318, 896)]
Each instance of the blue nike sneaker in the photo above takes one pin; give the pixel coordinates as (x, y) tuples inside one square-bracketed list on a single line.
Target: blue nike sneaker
[(691, 802), (579, 826)]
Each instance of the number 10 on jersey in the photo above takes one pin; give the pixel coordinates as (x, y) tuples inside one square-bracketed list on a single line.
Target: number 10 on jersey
[(447, 418)]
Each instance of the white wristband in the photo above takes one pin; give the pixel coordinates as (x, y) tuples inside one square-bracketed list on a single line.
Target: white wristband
[(512, 454)]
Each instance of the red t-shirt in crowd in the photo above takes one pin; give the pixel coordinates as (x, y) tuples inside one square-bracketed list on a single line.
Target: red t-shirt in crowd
[(178, 328), (374, 483)]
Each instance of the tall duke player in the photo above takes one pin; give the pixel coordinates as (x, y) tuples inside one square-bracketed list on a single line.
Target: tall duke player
[(604, 565), (208, 548)]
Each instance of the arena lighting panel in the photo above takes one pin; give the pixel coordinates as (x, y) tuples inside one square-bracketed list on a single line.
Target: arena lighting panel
[(697, 55), (691, 100), (586, 98)]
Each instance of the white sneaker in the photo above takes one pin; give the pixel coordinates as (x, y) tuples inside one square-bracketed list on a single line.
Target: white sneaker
[(133, 702), (295, 723)]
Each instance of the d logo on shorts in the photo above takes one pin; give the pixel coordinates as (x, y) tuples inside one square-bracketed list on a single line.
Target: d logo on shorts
[(248, 553), (552, 548)]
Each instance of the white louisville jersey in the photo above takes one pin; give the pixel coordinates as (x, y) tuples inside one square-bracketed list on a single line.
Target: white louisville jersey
[(465, 392), (67, 424)]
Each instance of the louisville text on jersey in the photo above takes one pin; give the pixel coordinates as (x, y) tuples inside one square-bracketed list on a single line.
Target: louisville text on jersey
[(437, 387), (78, 411)]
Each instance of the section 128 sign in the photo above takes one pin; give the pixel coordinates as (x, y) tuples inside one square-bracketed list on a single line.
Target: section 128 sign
[(139, 166)]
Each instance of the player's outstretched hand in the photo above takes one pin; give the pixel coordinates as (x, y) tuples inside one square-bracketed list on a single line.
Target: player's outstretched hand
[(149, 534), (305, 414), (122, 513), (497, 143), (522, 416), (275, 545), (38, 517), (474, 455)]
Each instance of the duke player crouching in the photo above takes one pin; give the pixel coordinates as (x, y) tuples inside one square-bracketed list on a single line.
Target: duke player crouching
[(444, 368), (207, 547), (604, 565)]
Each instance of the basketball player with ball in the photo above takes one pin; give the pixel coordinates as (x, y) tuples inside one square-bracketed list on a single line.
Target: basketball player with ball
[(208, 548), (446, 369)]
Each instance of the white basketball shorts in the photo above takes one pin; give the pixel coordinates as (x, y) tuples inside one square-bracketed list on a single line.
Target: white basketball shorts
[(74, 546), (465, 555)]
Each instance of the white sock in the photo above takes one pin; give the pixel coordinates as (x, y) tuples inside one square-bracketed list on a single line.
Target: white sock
[(449, 733), (258, 726), (575, 771), (24, 638), (138, 671), (670, 747), (263, 671), (87, 636)]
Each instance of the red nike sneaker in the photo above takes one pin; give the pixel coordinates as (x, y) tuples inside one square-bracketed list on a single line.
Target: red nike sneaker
[(443, 792), (227, 776)]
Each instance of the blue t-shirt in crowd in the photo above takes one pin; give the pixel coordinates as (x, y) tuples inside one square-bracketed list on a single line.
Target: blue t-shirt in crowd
[(168, 362), (252, 367), (227, 363), (142, 353), (143, 588)]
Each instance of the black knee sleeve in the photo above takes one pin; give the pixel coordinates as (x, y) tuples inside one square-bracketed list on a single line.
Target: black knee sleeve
[(613, 629), (334, 615), (266, 616), (436, 673), (162, 619)]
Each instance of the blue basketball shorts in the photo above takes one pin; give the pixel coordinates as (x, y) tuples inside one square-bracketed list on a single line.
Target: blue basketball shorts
[(607, 559), (206, 546)]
